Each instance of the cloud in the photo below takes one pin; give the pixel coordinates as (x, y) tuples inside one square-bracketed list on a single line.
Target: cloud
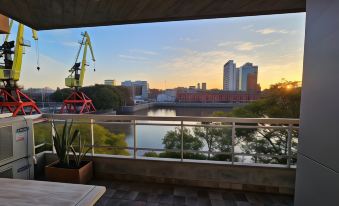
[(193, 66), (267, 31), (188, 39), (228, 43), (176, 49), (141, 51), (246, 46), (137, 55), (135, 58)]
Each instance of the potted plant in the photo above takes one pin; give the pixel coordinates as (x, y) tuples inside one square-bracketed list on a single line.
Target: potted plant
[(70, 166)]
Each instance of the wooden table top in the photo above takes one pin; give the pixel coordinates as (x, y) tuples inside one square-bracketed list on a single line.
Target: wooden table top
[(14, 192)]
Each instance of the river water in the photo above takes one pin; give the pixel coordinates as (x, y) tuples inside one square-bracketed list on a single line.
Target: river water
[(180, 111), (149, 136)]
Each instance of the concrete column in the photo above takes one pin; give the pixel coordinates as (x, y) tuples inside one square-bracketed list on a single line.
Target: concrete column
[(4, 26), (317, 181)]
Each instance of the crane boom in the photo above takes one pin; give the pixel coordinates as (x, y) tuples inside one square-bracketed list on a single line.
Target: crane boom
[(10, 73), (76, 78), (18, 53)]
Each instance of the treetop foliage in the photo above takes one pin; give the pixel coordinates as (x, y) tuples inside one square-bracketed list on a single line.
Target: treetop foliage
[(103, 96), (281, 100)]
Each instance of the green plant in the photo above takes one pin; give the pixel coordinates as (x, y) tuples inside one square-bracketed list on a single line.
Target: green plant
[(64, 145), (82, 151)]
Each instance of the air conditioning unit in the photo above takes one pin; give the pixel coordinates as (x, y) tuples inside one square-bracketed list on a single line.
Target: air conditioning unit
[(19, 169), (16, 148)]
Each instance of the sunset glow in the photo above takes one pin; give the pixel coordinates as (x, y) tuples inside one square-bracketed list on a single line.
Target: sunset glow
[(173, 54)]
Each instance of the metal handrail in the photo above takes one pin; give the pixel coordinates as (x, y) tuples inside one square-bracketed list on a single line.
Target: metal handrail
[(228, 122), (178, 118)]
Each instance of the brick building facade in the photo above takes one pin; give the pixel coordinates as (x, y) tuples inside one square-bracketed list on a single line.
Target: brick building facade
[(217, 96)]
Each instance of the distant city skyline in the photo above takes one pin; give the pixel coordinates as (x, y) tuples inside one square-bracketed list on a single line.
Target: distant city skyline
[(243, 78), (173, 54)]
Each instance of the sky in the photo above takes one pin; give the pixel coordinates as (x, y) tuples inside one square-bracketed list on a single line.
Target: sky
[(172, 54)]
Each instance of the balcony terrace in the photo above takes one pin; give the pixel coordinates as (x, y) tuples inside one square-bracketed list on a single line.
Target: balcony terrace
[(241, 178)]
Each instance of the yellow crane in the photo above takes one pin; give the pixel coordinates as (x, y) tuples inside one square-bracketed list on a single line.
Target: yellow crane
[(78, 102), (76, 78), (12, 99)]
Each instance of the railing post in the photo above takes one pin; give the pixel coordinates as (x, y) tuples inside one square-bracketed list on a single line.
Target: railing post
[(92, 136), (33, 140), (182, 141), (135, 139), (233, 141), (289, 145), (53, 134)]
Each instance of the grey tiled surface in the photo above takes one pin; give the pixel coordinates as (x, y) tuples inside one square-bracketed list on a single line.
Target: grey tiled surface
[(149, 194)]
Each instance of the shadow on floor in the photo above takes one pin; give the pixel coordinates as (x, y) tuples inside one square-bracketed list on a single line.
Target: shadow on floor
[(150, 194)]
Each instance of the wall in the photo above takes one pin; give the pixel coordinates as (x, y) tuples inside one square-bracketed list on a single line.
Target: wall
[(247, 178), (217, 97), (198, 105), (318, 158)]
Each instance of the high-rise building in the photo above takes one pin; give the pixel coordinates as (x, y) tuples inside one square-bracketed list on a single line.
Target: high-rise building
[(247, 71), (204, 86), (237, 80), (198, 86), (230, 76), (252, 80), (110, 82)]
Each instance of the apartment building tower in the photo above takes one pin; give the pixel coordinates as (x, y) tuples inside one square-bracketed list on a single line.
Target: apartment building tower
[(230, 76)]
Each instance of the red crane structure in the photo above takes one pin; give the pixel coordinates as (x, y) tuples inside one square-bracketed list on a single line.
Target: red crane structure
[(78, 102)]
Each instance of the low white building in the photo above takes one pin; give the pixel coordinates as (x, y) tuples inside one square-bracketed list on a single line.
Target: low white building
[(167, 96), (139, 89)]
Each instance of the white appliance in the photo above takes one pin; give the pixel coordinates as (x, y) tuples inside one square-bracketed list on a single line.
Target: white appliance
[(16, 148)]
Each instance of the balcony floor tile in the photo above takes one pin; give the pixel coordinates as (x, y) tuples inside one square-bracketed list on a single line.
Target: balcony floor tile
[(123, 193)]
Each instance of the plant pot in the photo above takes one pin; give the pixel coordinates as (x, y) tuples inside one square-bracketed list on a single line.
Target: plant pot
[(80, 176)]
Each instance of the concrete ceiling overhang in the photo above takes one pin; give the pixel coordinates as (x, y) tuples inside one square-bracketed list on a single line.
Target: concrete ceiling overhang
[(56, 14)]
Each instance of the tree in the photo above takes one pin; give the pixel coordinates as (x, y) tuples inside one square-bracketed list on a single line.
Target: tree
[(107, 96), (224, 145), (102, 137), (215, 138), (61, 94), (281, 100), (209, 135), (103, 96), (151, 154), (172, 141)]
